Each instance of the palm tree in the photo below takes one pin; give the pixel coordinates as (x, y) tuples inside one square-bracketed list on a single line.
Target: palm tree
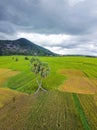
[(41, 71)]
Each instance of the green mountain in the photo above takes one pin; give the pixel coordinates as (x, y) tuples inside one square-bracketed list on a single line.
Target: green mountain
[(22, 46)]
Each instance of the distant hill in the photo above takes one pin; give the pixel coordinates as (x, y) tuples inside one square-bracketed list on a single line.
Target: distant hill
[(22, 46)]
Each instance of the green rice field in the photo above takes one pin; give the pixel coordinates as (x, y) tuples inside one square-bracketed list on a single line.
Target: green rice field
[(70, 102)]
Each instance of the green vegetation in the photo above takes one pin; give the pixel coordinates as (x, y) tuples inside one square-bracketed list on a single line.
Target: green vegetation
[(89, 104), (81, 112), (52, 110), (26, 79)]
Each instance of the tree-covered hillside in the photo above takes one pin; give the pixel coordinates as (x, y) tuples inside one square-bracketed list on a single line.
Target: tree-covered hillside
[(22, 47)]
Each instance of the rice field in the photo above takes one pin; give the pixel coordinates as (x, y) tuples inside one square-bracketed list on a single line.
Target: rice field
[(69, 104), (78, 82)]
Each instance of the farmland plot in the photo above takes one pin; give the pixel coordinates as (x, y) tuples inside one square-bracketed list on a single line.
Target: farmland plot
[(78, 82), (54, 111), (45, 111), (89, 105), (72, 108)]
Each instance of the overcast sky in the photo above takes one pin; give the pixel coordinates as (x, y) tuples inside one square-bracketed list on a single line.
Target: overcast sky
[(63, 26)]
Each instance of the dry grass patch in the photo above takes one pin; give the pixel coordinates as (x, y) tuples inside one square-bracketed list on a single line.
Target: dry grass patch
[(72, 73), (6, 95), (5, 74), (3, 71), (15, 113), (77, 82)]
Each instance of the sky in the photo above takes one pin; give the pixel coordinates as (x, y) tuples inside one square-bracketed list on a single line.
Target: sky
[(62, 26)]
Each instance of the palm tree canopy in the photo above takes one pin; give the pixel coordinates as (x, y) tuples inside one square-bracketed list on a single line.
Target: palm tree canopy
[(39, 67), (44, 70)]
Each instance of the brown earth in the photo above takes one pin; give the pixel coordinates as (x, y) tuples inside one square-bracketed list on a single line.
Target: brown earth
[(14, 113), (77, 82)]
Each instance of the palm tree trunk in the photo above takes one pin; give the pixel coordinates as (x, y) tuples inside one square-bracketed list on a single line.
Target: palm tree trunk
[(39, 86)]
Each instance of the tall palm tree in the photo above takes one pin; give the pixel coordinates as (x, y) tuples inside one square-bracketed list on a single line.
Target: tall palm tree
[(41, 71)]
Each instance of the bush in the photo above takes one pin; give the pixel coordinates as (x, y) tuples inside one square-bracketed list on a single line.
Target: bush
[(26, 58)]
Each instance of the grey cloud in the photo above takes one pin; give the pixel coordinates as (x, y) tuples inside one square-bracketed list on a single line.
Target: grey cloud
[(50, 16), (87, 43), (7, 28)]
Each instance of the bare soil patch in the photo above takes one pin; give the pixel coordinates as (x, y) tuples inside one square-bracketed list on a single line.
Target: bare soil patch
[(77, 82)]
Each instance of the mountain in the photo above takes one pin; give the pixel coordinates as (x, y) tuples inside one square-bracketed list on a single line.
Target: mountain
[(22, 46)]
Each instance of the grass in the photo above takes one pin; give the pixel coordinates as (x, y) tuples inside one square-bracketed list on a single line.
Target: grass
[(6, 95), (86, 65), (54, 110), (5, 74), (90, 109), (81, 112)]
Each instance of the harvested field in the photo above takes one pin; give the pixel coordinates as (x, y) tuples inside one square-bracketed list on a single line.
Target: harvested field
[(14, 113), (45, 111), (78, 82), (7, 95)]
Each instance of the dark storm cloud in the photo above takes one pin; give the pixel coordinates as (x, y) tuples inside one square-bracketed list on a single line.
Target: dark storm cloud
[(49, 16)]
